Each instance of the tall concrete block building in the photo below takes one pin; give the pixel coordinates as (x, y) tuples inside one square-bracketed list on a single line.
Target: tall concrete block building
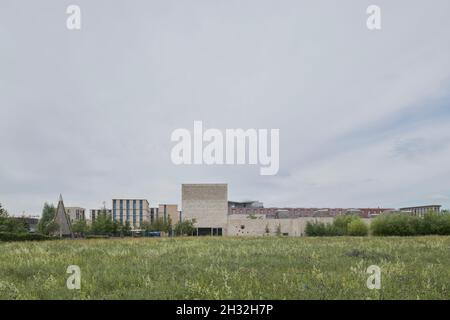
[(208, 205)]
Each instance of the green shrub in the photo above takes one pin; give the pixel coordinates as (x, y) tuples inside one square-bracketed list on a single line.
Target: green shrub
[(435, 223), (321, 229), (339, 227), (10, 236), (357, 228), (341, 223), (396, 225)]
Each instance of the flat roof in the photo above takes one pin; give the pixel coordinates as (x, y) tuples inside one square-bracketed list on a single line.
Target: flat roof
[(431, 205)]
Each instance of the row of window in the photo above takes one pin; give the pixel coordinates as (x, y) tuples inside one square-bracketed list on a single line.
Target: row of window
[(127, 203)]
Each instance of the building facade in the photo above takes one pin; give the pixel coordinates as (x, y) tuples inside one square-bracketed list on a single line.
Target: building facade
[(208, 205), (166, 211), (76, 213), (421, 210), (135, 211)]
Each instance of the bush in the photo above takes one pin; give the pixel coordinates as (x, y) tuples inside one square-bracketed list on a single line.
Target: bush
[(339, 227), (357, 228), (435, 223), (10, 236), (397, 225), (320, 229), (341, 223)]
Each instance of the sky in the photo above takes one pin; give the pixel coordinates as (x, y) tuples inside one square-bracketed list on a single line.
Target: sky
[(363, 114)]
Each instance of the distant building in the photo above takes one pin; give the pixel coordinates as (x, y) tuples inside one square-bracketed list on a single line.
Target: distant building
[(29, 222), (245, 204), (292, 213), (169, 210), (62, 220), (95, 212), (421, 210), (76, 213), (154, 214), (135, 211)]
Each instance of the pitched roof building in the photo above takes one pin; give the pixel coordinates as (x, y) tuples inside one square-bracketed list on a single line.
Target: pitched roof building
[(62, 220)]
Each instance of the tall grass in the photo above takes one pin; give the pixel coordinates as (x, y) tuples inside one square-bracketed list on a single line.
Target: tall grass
[(227, 268)]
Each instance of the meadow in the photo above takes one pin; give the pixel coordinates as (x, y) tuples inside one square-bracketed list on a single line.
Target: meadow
[(228, 268)]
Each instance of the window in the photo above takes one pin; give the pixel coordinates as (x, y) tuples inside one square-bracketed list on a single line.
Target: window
[(140, 211), (134, 212)]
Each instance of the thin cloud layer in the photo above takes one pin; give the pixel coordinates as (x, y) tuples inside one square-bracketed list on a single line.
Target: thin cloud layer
[(362, 114)]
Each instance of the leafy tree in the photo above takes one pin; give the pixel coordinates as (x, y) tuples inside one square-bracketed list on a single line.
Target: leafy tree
[(10, 224), (80, 227), (104, 224), (185, 227), (3, 212), (46, 224), (125, 229), (158, 225)]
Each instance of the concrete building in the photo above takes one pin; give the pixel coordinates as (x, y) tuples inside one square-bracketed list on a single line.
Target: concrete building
[(215, 215), (76, 213), (95, 212), (240, 225), (166, 211), (135, 211), (292, 213), (421, 210), (208, 205)]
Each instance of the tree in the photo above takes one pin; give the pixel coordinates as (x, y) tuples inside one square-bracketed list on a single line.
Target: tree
[(104, 224), (125, 229), (157, 225), (3, 212), (46, 224), (185, 227), (80, 227), (10, 224)]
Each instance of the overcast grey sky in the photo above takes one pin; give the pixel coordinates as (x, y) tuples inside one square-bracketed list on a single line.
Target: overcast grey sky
[(363, 115)]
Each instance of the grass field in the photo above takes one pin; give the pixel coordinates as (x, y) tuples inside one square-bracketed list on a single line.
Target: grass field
[(228, 268)]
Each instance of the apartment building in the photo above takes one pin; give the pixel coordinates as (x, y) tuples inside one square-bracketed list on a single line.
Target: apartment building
[(421, 210), (135, 211), (76, 213)]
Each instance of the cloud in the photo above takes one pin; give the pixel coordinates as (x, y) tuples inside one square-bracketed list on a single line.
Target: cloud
[(89, 114)]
